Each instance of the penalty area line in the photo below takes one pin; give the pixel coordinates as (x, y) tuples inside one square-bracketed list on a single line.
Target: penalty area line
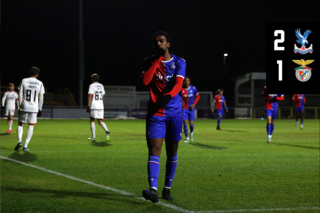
[(95, 184)]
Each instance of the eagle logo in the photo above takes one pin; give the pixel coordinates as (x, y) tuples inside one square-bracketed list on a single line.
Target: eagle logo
[(302, 39), (303, 73)]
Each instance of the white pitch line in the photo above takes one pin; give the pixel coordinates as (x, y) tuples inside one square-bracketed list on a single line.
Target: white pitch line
[(97, 185), (159, 203), (262, 210)]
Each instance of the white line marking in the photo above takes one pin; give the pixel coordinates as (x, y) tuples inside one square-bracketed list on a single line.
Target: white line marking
[(160, 203), (260, 210), (97, 185)]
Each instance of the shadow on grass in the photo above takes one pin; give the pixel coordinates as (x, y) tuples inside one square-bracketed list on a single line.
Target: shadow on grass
[(231, 131), (6, 148), (205, 146), (23, 156), (62, 193), (4, 134), (307, 147), (100, 144)]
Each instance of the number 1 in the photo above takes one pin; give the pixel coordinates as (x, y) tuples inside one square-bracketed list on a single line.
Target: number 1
[(279, 62)]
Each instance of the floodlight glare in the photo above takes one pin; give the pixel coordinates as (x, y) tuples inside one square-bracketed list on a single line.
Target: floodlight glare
[(226, 54)]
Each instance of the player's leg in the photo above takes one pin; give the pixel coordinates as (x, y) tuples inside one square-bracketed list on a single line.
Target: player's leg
[(92, 125), (102, 124), (10, 120), (191, 123), (22, 118), (297, 115), (301, 117), (269, 121), (220, 113), (32, 118), (173, 136), (185, 123), (155, 133)]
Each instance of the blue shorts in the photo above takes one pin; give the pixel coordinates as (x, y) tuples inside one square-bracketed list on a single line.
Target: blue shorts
[(220, 112), (272, 113), (188, 114), (299, 109), (169, 128)]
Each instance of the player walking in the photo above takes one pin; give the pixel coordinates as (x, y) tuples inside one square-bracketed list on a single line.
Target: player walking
[(218, 101), (95, 106), (31, 92), (11, 97), (164, 74), (271, 110), (190, 98), (300, 100)]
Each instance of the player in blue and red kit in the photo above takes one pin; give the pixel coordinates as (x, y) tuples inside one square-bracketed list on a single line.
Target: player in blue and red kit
[(271, 110), (190, 98), (300, 100), (164, 74), (218, 101)]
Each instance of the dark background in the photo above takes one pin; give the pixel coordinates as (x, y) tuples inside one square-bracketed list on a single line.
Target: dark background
[(289, 83), (117, 36)]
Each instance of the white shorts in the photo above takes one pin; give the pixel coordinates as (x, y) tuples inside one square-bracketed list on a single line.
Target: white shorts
[(96, 114), (9, 112), (30, 116)]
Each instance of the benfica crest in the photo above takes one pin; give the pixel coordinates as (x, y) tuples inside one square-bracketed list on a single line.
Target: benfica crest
[(302, 39), (303, 73)]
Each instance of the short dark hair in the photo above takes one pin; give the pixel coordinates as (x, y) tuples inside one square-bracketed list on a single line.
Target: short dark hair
[(11, 84), (219, 90), (161, 33), (34, 71), (95, 77)]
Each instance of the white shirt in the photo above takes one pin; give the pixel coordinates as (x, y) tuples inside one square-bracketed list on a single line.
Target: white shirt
[(11, 98), (97, 90), (30, 90)]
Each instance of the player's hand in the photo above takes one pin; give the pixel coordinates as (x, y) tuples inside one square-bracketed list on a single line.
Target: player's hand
[(39, 114), (163, 100), (191, 106), (88, 109), (160, 52), (226, 110), (212, 110)]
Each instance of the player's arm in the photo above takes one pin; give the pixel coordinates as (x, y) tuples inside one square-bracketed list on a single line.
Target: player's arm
[(213, 104), (103, 97), (148, 75), (90, 96), (225, 106), (163, 100), (20, 88), (4, 98), (304, 99), (40, 102), (294, 98)]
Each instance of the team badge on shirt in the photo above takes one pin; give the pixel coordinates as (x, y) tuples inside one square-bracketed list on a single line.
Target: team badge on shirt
[(303, 73), (302, 39)]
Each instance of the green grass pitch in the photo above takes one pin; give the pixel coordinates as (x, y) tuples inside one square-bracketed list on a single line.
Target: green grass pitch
[(233, 170)]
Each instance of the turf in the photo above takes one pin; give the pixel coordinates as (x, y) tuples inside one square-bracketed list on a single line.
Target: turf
[(231, 169)]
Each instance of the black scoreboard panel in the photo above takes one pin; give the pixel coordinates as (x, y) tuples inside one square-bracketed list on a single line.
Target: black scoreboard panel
[(293, 58)]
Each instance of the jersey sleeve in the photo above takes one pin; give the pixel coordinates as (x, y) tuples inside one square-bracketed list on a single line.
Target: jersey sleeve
[(42, 91), (4, 98), (91, 90), (195, 91), (20, 88), (216, 98), (181, 71)]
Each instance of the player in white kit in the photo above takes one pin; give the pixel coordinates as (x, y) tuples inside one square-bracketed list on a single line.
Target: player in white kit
[(10, 97), (31, 92), (95, 106)]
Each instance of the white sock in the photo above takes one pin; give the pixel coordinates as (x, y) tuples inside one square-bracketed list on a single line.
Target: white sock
[(29, 135), (20, 132), (93, 130), (104, 126), (10, 125)]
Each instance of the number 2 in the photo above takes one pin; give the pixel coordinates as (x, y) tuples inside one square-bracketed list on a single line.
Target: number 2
[(277, 41)]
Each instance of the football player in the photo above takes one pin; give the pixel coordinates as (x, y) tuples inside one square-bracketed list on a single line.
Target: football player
[(218, 101), (300, 100), (10, 98)]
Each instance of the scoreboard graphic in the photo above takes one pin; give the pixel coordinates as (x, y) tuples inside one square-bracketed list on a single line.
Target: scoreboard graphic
[(293, 58)]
